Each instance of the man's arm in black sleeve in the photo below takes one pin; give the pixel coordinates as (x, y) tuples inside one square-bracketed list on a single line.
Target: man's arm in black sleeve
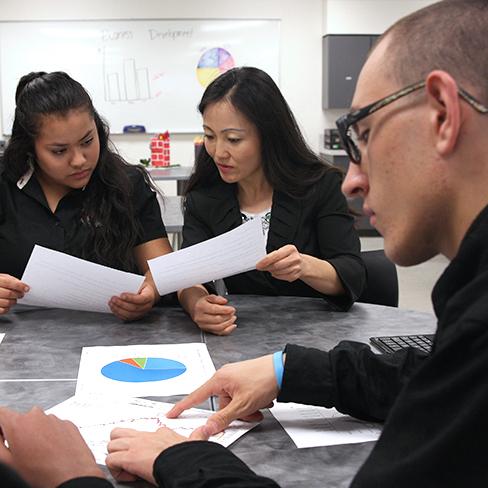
[(205, 465), (87, 482), (349, 377)]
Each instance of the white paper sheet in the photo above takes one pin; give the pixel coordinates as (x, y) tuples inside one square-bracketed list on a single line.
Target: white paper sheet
[(100, 367), (231, 253), (97, 418), (310, 426), (1, 337), (62, 281)]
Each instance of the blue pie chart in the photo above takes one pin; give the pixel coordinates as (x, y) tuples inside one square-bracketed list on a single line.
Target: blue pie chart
[(139, 370)]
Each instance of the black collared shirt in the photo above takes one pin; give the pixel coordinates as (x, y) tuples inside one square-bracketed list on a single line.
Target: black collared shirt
[(26, 220)]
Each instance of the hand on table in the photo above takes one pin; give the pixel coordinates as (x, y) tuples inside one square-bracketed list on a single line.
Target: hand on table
[(286, 263), (132, 306), (243, 388), (11, 289), (44, 450), (131, 453), (212, 314)]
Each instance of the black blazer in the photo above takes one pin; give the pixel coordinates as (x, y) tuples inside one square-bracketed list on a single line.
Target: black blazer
[(319, 225)]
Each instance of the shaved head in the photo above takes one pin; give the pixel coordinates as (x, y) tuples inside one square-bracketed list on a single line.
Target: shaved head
[(451, 35)]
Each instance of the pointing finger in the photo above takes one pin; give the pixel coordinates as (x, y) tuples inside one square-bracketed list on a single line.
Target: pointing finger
[(195, 398)]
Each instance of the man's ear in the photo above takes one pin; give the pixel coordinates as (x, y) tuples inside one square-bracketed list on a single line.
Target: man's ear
[(445, 110)]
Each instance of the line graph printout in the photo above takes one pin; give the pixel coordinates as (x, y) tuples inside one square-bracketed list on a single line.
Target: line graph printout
[(96, 417), (310, 426), (143, 370)]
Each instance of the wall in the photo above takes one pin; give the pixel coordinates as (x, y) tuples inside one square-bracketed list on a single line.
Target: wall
[(300, 50), (367, 16), (302, 26), (363, 17)]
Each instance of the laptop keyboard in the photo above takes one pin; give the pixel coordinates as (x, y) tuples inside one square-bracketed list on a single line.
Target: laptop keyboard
[(395, 343)]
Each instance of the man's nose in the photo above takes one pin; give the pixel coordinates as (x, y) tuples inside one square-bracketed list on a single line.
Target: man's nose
[(355, 183)]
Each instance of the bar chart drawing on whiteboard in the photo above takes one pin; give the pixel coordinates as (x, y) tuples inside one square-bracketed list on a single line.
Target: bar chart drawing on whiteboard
[(130, 84)]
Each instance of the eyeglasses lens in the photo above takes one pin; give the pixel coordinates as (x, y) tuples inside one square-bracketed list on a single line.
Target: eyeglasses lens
[(352, 146)]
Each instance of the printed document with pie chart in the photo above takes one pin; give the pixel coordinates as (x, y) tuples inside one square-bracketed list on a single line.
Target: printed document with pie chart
[(143, 370)]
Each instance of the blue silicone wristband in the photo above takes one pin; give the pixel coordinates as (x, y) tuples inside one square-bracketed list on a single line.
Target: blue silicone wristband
[(278, 367)]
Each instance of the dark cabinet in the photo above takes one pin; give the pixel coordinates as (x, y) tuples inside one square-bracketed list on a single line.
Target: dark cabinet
[(343, 58)]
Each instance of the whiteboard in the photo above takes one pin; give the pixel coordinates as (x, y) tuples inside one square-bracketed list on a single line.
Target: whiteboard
[(145, 72)]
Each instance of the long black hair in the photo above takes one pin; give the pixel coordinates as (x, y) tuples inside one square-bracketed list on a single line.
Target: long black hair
[(289, 165), (107, 211)]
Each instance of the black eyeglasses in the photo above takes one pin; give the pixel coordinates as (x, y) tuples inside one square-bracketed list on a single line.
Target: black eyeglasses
[(348, 135)]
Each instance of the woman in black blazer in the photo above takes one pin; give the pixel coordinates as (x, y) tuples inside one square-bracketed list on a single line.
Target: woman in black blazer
[(256, 164)]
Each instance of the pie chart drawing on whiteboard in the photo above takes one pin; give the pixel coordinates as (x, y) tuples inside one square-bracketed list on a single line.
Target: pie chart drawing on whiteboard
[(213, 63), (139, 370)]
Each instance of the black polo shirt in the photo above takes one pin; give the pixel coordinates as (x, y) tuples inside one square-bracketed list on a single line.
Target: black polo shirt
[(26, 219)]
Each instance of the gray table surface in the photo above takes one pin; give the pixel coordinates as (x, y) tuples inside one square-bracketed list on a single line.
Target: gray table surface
[(179, 173), (170, 173), (45, 344)]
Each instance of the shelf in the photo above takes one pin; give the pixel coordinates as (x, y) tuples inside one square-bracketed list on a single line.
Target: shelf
[(333, 152)]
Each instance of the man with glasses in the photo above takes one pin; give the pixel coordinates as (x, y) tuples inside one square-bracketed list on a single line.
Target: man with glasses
[(417, 142)]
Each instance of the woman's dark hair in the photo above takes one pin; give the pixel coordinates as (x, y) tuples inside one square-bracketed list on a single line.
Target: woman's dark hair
[(107, 211), (289, 165)]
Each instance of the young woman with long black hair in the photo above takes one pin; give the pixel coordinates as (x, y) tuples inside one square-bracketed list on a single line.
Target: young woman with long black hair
[(64, 187)]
